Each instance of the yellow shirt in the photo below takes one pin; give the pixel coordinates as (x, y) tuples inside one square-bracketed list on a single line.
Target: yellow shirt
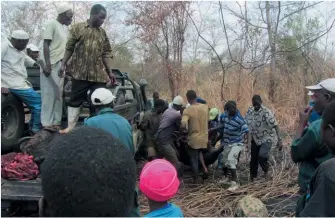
[(195, 117)]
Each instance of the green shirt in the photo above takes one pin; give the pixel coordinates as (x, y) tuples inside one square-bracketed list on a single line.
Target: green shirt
[(309, 151)]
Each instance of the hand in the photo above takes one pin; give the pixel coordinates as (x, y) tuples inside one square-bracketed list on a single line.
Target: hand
[(304, 115), (280, 144), (248, 145), (61, 72), (47, 70), (4, 90), (111, 78)]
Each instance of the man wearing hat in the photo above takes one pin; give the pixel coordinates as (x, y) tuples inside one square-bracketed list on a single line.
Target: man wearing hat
[(164, 138), (103, 102), (307, 148), (54, 41), (33, 51), (90, 67), (14, 76), (314, 115)]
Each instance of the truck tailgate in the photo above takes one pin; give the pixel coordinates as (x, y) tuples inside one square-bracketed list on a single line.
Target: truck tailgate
[(30, 190)]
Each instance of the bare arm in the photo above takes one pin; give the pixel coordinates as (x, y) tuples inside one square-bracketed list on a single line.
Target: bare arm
[(46, 51)]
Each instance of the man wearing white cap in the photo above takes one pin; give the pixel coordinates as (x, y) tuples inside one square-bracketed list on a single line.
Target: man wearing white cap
[(314, 115), (170, 123), (33, 51), (307, 147), (14, 76), (103, 101), (54, 41)]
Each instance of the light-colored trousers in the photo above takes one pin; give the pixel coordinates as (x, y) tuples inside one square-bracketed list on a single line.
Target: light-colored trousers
[(52, 108), (230, 155)]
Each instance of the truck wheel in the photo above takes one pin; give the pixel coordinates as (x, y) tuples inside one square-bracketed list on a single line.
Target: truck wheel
[(12, 121)]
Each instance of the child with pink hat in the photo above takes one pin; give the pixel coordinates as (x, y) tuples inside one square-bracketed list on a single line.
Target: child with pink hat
[(159, 183)]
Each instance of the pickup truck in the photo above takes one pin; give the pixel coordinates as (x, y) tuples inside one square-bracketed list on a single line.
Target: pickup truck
[(131, 103)]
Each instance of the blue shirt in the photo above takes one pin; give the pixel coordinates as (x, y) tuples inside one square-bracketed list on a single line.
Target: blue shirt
[(234, 128), (113, 123), (169, 210), (314, 115)]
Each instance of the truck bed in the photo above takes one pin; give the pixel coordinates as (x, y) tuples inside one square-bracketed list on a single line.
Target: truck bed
[(30, 190)]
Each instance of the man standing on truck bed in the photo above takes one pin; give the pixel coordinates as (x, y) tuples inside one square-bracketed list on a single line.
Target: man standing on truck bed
[(89, 47), (14, 76), (54, 42)]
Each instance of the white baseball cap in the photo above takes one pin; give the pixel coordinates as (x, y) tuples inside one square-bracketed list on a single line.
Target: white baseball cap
[(178, 100), (328, 84), (20, 34), (102, 96), (33, 47)]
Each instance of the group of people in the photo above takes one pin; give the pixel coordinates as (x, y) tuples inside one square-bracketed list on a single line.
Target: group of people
[(312, 147), (76, 66), (204, 127), (72, 62)]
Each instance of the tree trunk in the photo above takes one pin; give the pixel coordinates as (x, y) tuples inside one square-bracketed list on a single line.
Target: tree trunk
[(272, 44)]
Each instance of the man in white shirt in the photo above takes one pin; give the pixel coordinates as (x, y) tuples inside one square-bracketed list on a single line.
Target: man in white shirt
[(14, 76), (54, 42)]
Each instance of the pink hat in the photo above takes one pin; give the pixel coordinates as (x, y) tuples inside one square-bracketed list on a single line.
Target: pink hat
[(159, 181)]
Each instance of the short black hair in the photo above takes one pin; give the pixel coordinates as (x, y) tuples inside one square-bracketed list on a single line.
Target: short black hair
[(88, 173), (159, 103), (257, 98), (229, 104), (97, 8), (328, 115), (191, 95)]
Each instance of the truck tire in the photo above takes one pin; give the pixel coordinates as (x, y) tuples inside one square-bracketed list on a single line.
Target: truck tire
[(12, 121)]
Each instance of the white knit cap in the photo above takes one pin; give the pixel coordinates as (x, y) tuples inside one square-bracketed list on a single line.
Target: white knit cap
[(102, 96), (178, 100), (33, 47), (20, 34), (61, 8)]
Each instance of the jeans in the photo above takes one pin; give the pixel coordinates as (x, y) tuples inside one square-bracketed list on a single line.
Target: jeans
[(33, 101)]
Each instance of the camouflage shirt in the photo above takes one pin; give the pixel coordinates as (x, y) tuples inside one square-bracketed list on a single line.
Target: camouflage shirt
[(261, 124), (89, 46)]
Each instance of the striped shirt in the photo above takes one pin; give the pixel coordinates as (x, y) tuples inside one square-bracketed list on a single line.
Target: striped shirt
[(234, 128)]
